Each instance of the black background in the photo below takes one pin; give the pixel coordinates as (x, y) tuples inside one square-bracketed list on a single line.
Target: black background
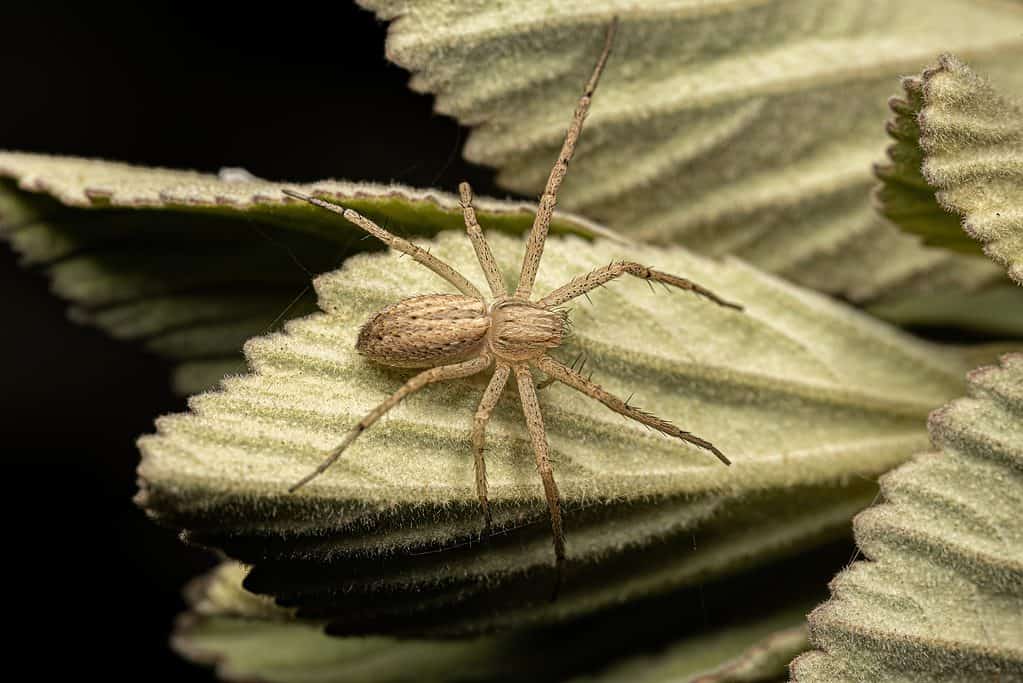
[(92, 585)]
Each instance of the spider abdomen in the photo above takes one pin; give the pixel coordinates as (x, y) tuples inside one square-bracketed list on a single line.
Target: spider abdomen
[(424, 331)]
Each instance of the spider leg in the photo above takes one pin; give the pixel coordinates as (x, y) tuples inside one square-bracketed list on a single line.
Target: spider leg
[(585, 283), (437, 374), (579, 360), (417, 253), (479, 435), (538, 435), (566, 375), (479, 243), (542, 222)]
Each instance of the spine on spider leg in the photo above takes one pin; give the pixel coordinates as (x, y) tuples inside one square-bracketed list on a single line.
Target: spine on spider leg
[(583, 284), (648, 274)]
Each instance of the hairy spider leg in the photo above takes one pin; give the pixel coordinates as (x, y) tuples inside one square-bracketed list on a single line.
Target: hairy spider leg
[(418, 254), (538, 437), (430, 376), (479, 434), (566, 375), (542, 221), (579, 286), (479, 243)]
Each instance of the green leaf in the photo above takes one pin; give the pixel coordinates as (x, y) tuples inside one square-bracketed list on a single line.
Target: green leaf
[(957, 158), (729, 127), (941, 597), (810, 399), (250, 639), (997, 310), (192, 265), (758, 650)]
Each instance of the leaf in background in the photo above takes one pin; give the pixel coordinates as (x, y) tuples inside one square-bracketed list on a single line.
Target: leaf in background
[(957, 158), (248, 638), (192, 265), (995, 311), (941, 597), (729, 127), (811, 399), (759, 650)]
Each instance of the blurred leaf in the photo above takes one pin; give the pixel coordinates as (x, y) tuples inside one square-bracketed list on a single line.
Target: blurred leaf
[(958, 156), (996, 310), (192, 265), (250, 639), (811, 399), (729, 127), (759, 650), (940, 597)]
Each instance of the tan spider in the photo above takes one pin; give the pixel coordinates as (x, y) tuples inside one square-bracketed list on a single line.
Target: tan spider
[(458, 335)]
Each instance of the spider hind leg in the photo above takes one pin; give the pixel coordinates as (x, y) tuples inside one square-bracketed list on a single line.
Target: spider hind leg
[(584, 385), (538, 437), (479, 427)]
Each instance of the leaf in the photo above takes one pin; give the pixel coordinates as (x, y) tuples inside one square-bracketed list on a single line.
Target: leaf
[(811, 399), (996, 310), (767, 646), (192, 265), (729, 127), (941, 597), (958, 156), (250, 639)]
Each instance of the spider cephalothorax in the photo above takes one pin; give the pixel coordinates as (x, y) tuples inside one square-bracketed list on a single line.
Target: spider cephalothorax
[(458, 335), (522, 331)]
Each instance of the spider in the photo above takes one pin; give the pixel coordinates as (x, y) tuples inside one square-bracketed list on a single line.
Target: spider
[(458, 335)]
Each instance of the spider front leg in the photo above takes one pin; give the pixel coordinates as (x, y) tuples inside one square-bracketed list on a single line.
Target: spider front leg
[(479, 243), (545, 209), (597, 278), (479, 432), (438, 374), (417, 253), (538, 436), (567, 376)]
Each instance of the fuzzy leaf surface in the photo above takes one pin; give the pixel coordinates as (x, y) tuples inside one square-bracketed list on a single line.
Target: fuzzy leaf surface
[(729, 127), (810, 399), (955, 172), (192, 265), (248, 638), (940, 596)]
